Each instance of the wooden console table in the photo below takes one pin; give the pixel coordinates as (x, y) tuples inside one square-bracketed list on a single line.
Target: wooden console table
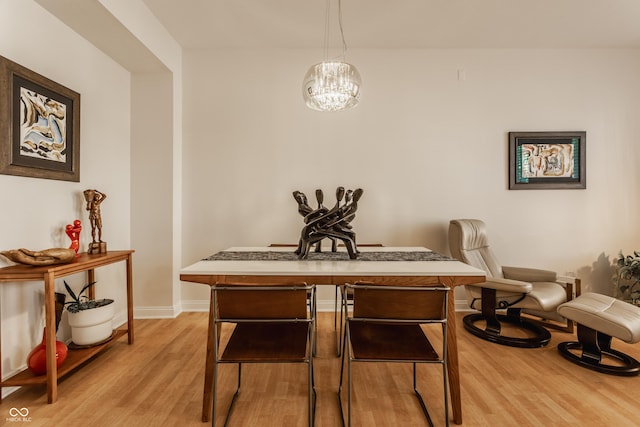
[(48, 274)]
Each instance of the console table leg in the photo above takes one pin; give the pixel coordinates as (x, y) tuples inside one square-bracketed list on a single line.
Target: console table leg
[(50, 337)]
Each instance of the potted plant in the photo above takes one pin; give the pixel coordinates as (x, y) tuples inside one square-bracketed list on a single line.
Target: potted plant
[(90, 320), (628, 277)]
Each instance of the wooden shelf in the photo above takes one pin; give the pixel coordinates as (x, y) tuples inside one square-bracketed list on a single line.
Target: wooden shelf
[(74, 359)]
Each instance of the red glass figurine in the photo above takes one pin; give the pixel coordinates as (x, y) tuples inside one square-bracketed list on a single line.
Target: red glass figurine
[(73, 231)]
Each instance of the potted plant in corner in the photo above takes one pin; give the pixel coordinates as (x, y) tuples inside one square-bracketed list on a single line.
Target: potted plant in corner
[(90, 320), (628, 277)]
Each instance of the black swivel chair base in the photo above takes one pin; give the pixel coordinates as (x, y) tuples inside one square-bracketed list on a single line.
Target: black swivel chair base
[(602, 313), (590, 348), (630, 366), (491, 332)]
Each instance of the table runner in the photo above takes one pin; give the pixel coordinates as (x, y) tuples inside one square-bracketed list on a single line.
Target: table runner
[(327, 256)]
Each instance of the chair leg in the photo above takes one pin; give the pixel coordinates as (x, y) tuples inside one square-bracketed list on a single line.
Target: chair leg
[(420, 400), (489, 311), (345, 354), (343, 317), (233, 399), (445, 382), (313, 309), (335, 321), (349, 390), (312, 395), (214, 393)]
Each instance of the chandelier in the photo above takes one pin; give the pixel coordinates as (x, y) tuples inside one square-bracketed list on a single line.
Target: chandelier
[(332, 85)]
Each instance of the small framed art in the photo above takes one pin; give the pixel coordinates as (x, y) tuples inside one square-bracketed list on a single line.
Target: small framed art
[(39, 125), (547, 160)]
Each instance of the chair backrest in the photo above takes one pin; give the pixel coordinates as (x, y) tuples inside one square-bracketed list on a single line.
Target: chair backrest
[(374, 301), (468, 242), (257, 301)]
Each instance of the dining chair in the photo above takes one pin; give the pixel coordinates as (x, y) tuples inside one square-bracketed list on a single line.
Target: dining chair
[(272, 325), (387, 325), (340, 289)]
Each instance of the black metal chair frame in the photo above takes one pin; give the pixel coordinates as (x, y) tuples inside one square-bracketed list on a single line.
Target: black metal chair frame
[(393, 322), (345, 300), (249, 321)]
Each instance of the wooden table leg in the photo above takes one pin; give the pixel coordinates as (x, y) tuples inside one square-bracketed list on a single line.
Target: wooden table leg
[(207, 395), (453, 368), (50, 337)]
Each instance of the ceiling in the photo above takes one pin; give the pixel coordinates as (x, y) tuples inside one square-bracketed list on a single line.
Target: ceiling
[(398, 24)]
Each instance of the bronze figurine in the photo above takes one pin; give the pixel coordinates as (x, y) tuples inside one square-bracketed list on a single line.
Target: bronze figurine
[(94, 198)]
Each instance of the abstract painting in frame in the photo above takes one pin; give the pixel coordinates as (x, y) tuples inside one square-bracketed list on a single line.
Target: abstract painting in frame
[(547, 160), (39, 125)]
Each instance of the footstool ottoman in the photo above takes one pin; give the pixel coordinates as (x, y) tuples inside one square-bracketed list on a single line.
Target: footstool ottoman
[(599, 318)]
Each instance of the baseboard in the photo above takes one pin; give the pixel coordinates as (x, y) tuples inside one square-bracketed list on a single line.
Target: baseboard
[(159, 312), (6, 391), (462, 305), (195, 305)]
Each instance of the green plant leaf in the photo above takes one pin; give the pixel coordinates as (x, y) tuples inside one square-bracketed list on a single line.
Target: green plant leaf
[(77, 304), (70, 291)]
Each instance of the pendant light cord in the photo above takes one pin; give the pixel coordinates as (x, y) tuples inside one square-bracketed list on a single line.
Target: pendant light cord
[(327, 27), (327, 30), (344, 43)]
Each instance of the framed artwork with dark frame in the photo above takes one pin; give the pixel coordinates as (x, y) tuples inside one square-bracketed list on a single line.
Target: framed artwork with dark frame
[(547, 160), (39, 125)]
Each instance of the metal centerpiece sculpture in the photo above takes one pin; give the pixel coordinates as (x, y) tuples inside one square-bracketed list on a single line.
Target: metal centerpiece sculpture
[(328, 223)]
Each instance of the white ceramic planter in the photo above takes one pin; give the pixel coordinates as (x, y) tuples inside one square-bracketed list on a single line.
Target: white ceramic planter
[(92, 326)]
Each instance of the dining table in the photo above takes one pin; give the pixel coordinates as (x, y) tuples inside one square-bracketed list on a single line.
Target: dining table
[(389, 265)]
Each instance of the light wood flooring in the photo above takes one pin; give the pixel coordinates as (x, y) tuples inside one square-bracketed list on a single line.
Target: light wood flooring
[(158, 382)]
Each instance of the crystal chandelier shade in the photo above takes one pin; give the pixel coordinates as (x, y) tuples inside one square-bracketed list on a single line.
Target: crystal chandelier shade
[(332, 85)]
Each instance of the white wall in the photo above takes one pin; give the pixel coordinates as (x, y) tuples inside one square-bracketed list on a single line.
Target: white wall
[(151, 203), (34, 212), (156, 155), (425, 147), (129, 33)]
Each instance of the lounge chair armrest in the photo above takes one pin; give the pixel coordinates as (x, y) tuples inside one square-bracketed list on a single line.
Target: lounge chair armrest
[(506, 285), (529, 274)]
